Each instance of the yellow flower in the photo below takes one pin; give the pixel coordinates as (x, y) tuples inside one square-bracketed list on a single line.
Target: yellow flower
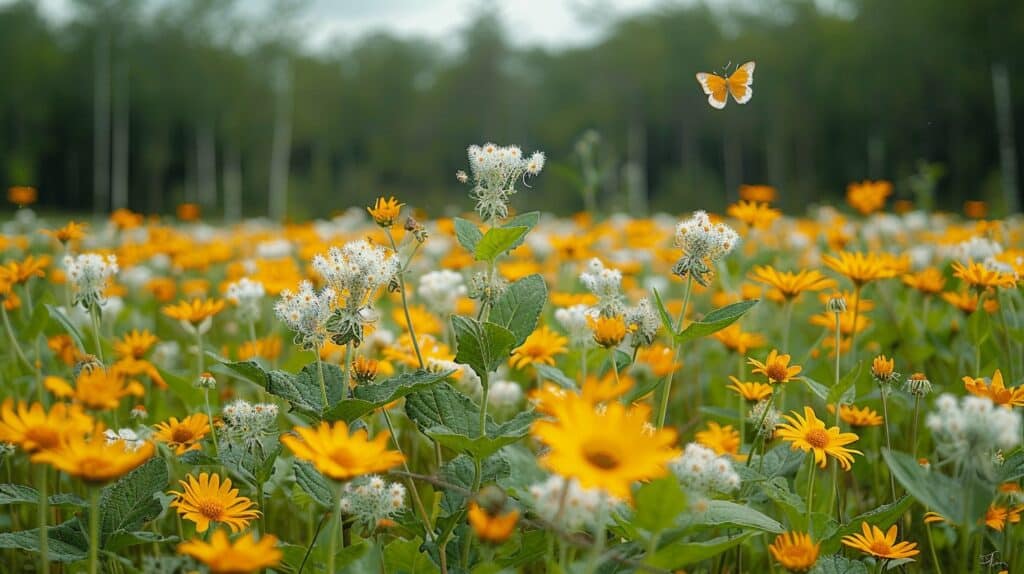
[(188, 211), (859, 267), (364, 370), (933, 517), (755, 215), (750, 391), (608, 331), (195, 311), (385, 211), (775, 367), (22, 195), (965, 301), (883, 369), (858, 417), (762, 193), (209, 499), (134, 344), (868, 197), (245, 556), (71, 232), (995, 390), (268, 348), (996, 517), (790, 284), (97, 388), (401, 351), (492, 527), (19, 272), (928, 281), (722, 440), (659, 358), (980, 277), (539, 348), (340, 455), (737, 340), (183, 435), (423, 322), (809, 434), (32, 428), (883, 545), (610, 448), (65, 349), (94, 459), (795, 551)]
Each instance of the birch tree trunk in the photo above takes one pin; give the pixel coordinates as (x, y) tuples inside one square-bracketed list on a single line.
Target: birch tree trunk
[(281, 147)]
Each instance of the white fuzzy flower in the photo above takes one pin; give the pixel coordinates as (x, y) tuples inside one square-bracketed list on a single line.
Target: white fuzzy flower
[(969, 432), (370, 499), (606, 283), (579, 509), (441, 290), (702, 242), (504, 395), (703, 473), (246, 295), (495, 171), (574, 321), (131, 439), (90, 273), (306, 313), (357, 270)]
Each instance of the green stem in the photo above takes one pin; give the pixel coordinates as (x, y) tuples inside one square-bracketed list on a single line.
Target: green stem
[(94, 529), (667, 388), (323, 382), (913, 429), (810, 493), (602, 534), (931, 547), (14, 340), (347, 379), (94, 314), (856, 319), (405, 303), (213, 427), (424, 517), (44, 509), (759, 437), (787, 323), (888, 439), (838, 406), (261, 502), (332, 544), (200, 356)]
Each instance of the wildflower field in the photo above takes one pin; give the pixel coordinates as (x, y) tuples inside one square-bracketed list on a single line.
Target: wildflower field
[(391, 390)]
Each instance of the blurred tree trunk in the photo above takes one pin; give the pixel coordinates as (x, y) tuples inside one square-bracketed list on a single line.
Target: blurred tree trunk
[(1004, 127), (281, 146), (122, 133), (206, 165), (101, 122), (232, 173), (635, 170)]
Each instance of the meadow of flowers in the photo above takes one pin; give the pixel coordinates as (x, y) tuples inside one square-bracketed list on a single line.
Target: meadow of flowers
[(392, 391)]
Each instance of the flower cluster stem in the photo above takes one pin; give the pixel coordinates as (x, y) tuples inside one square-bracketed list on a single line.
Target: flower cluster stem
[(44, 510), (666, 391), (405, 303)]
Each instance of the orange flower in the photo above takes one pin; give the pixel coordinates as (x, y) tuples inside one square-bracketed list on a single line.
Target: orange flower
[(790, 284), (754, 215), (540, 348), (737, 340), (385, 211), (860, 268), (928, 281), (776, 367), (195, 311), (494, 528), (763, 193), (750, 391), (868, 197), (980, 277), (995, 390), (71, 232), (722, 440), (22, 195)]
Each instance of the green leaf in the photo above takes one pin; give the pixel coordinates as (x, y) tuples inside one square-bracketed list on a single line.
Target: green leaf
[(121, 540), (61, 318), (837, 564), (66, 542), (129, 503), (931, 488), (666, 320), (372, 396), (1013, 467), (529, 220), (184, 390), (482, 346), (405, 556), (846, 383), (314, 484), (715, 321), (460, 471), (819, 390), (497, 436), (21, 494), (555, 375), (658, 504), (247, 370), (724, 512), (680, 554), (40, 317), (519, 307), (302, 391), (498, 240), (468, 234)]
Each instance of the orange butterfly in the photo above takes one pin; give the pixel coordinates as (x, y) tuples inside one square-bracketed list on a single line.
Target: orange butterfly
[(738, 84)]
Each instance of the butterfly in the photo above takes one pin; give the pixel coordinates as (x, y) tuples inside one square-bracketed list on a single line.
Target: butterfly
[(738, 84)]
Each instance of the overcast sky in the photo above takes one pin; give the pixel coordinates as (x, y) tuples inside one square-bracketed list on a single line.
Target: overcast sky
[(553, 23)]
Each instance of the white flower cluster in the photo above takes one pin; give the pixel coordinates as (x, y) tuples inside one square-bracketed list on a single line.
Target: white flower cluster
[(703, 473), (246, 295), (969, 432), (441, 290), (274, 249), (132, 440), (504, 396), (976, 249), (89, 273), (644, 323), (495, 171), (606, 283), (574, 320), (248, 423), (702, 242), (465, 379), (767, 417), (580, 508), (357, 270), (370, 499), (306, 313)]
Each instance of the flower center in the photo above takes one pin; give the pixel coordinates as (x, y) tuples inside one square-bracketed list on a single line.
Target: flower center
[(880, 548), (817, 437), (212, 509), (601, 457), (182, 434), (342, 457), (43, 437), (777, 372)]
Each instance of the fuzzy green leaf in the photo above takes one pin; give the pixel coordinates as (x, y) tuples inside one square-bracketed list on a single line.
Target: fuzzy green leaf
[(715, 321), (468, 234), (129, 503), (498, 240), (61, 318), (482, 346), (314, 484), (659, 504), (520, 306)]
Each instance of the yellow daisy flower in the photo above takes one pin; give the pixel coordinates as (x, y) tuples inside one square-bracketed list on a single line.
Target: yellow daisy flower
[(244, 556), (184, 435), (539, 348), (341, 455), (775, 367), (809, 434), (209, 499), (873, 541), (795, 551)]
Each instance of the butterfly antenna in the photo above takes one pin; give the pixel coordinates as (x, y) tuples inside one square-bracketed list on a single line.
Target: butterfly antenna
[(726, 67)]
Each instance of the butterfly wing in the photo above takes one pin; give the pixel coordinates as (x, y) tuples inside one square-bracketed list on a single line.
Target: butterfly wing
[(740, 81), (716, 87)]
